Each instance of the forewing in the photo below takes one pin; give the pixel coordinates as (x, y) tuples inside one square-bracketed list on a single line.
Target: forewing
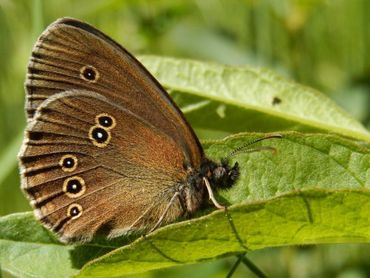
[(73, 55), (80, 182)]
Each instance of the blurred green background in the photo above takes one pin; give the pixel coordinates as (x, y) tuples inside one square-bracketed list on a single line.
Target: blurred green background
[(322, 44)]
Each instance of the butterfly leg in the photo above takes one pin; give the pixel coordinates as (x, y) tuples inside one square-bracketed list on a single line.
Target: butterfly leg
[(211, 196), (170, 203), (182, 204)]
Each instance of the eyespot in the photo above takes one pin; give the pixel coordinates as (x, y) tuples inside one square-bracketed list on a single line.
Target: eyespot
[(99, 136), (68, 163), (74, 211), (105, 121), (74, 187), (89, 74)]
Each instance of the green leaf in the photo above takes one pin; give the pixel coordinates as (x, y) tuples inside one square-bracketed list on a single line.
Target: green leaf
[(317, 217), (223, 100), (314, 190), (25, 245), (29, 250)]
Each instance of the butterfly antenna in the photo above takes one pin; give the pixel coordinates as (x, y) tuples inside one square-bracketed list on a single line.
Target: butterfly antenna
[(262, 148)]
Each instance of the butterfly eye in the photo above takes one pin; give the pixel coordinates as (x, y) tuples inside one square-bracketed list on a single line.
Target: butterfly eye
[(74, 187), (74, 211), (68, 163), (99, 136), (89, 73), (105, 121)]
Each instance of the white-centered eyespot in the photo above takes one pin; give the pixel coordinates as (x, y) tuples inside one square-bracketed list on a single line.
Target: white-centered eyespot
[(89, 74), (74, 187), (68, 163), (99, 136), (74, 211), (105, 120)]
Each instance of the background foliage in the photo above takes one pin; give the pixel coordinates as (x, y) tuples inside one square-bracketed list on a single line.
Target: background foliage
[(322, 44)]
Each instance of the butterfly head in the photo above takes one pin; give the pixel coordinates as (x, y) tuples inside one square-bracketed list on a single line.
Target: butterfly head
[(220, 175)]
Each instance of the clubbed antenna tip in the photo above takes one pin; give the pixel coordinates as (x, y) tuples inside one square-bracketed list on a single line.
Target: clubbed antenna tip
[(242, 148)]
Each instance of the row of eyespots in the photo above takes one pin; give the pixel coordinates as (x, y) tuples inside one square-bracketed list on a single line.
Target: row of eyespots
[(73, 187), (100, 134)]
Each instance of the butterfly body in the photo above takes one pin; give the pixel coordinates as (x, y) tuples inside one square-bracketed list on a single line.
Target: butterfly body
[(106, 149)]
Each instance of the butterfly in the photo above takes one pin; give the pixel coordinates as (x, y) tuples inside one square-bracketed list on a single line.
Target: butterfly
[(106, 149)]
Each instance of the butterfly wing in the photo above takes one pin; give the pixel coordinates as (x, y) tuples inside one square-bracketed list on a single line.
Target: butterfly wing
[(89, 164), (74, 55)]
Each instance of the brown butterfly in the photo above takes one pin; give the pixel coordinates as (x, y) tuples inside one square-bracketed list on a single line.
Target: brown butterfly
[(105, 148)]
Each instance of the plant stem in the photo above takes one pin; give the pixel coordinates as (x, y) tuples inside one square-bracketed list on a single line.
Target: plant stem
[(252, 267)]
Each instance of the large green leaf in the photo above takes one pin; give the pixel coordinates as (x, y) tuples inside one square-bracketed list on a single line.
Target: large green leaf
[(222, 100), (314, 190), (29, 250), (304, 217)]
